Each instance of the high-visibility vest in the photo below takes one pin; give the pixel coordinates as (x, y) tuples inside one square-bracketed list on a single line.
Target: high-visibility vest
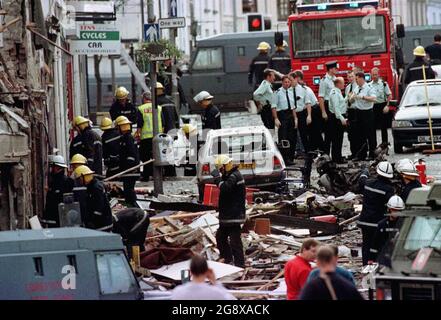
[(147, 128)]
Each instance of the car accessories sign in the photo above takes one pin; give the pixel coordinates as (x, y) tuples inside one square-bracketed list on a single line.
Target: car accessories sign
[(96, 39)]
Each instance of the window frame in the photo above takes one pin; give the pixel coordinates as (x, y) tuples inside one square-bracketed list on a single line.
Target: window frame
[(222, 68)]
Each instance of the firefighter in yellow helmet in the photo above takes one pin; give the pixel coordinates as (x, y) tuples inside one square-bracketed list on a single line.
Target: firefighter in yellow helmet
[(98, 214), (128, 158), (110, 139), (92, 147), (122, 106), (76, 145), (145, 133), (231, 210), (414, 70), (259, 64), (77, 160)]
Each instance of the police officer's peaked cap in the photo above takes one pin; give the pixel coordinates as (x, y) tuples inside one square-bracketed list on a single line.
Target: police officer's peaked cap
[(331, 64), (201, 96)]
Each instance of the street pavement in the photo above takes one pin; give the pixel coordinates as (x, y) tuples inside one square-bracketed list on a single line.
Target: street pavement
[(187, 185)]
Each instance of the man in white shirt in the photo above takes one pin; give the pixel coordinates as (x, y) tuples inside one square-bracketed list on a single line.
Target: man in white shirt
[(264, 96), (353, 134), (285, 118), (363, 100), (198, 288)]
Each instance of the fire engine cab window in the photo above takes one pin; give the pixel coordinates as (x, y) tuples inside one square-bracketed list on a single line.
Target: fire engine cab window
[(114, 273), (208, 58), (330, 37)]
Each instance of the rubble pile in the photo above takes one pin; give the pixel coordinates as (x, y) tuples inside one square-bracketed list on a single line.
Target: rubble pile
[(272, 235)]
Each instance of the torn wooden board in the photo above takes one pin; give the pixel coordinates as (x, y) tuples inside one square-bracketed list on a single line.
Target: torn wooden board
[(173, 271)]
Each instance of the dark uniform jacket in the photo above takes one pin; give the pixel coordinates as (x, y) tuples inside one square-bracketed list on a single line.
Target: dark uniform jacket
[(408, 188), (129, 111), (280, 61), (59, 184), (414, 71), (111, 144), (257, 66), (232, 198), (128, 155), (76, 146), (99, 214), (169, 116), (386, 229), (211, 118), (93, 150), (132, 225), (377, 193)]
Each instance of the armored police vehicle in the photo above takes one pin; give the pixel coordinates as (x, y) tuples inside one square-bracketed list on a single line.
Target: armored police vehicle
[(220, 66), (412, 267), (65, 264)]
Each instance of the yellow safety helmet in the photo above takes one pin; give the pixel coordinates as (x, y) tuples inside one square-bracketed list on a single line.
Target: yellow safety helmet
[(78, 159), (159, 85), (188, 128), (82, 171), (223, 160), (121, 93), (264, 46), (106, 123), (80, 120), (122, 120), (419, 51)]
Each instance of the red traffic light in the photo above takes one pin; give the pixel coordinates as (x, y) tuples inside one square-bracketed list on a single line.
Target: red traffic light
[(256, 23)]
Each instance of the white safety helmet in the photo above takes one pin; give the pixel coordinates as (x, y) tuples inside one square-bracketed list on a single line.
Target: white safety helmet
[(58, 161), (407, 167), (396, 203), (203, 95), (385, 169)]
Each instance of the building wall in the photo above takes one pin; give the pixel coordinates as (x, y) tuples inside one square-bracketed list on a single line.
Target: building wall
[(434, 12)]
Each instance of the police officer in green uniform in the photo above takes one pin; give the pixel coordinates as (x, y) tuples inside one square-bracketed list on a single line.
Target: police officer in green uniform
[(326, 85), (337, 118), (381, 105), (264, 97)]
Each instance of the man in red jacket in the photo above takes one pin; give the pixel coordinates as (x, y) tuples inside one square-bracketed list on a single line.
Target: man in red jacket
[(297, 270)]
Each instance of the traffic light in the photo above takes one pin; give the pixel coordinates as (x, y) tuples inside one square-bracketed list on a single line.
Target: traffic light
[(255, 22)]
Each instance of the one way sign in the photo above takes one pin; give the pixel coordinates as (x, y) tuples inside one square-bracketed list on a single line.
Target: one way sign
[(151, 32)]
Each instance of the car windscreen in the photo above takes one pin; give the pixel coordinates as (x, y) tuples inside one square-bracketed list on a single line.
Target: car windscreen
[(416, 96), (246, 143), (338, 36), (424, 232)]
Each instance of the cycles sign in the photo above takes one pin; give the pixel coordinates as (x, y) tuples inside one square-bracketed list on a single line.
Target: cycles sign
[(96, 39)]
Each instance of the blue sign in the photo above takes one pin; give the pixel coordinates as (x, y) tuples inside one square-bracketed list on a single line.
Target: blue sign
[(173, 8), (151, 32)]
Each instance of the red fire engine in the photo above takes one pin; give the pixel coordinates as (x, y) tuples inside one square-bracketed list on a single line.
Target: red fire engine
[(352, 33)]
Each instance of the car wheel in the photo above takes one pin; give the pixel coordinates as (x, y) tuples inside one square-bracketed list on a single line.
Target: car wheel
[(398, 148)]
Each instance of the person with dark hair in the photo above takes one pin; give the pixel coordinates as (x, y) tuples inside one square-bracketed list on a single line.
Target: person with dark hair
[(198, 288), (285, 119), (329, 285), (326, 85), (414, 70), (264, 98), (434, 50), (363, 100), (297, 269), (303, 102), (381, 106), (339, 270)]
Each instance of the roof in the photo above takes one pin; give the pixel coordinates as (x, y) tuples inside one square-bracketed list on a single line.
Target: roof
[(423, 28), (240, 36), (421, 82), (57, 239), (237, 131)]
